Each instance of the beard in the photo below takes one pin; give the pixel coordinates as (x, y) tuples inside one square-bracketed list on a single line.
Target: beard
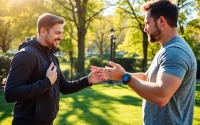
[(154, 37), (51, 43), (55, 45)]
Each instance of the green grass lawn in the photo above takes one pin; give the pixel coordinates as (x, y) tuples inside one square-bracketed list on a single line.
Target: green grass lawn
[(101, 104)]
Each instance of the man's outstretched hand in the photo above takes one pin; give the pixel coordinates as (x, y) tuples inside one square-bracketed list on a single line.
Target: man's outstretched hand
[(115, 72), (95, 76)]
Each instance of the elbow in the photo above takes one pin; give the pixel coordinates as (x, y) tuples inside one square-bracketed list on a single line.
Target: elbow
[(162, 102), (8, 97), (163, 98)]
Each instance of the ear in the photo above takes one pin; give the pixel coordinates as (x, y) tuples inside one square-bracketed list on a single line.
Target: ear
[(162, 21), (43, 31)]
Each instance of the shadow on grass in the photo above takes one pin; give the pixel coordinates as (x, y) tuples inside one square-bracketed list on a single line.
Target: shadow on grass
[(197, 120), (84, 102), (197, 95), (5, 108), (90, 100)]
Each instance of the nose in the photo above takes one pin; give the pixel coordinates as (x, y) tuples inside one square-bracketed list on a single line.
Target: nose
[(60, 36), (145, 29)]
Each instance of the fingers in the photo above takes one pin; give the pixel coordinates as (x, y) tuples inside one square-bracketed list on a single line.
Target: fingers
[(54, 69), (108, 67), (52, 73), (114, 72), (95, 77), (102, 75), (51, 66), (94, 68), (114, 64)]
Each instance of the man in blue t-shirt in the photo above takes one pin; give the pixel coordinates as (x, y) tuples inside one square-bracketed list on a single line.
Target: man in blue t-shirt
[(168, 87)]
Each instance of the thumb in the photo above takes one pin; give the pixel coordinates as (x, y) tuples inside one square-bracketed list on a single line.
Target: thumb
[(114, 64), (93, 68), (55, 68), (51, 66), (95, 71)]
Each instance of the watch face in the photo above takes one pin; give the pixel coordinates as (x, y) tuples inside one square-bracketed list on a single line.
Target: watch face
[(126, 78)]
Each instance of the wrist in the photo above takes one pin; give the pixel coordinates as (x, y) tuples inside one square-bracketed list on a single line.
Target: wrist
[(89, 80), (49, 80), (126, 78)]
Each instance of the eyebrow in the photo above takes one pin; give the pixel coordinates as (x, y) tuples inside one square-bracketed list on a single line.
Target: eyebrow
[(59, 31)]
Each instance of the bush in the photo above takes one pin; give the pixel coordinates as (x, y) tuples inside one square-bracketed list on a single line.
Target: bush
[(95, 61), (127, 63), (98, 62), (105, 63), (4, 65), (67, 74)]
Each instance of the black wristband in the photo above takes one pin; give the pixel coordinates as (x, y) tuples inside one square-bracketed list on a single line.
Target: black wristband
[(126, 78)]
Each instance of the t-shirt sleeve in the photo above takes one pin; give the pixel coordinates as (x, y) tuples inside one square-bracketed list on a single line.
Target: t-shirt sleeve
[(172, 62)]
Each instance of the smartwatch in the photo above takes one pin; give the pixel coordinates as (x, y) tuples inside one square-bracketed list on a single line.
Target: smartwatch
[(126, 78)]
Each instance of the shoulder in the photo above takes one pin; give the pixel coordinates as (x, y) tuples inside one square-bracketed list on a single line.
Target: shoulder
[(25, 55), (176, 50), (29, 49), (178, 46)]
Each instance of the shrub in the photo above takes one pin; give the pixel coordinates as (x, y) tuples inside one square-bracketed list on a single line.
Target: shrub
[(67, 74), (95, 61), (4, 65), (105, 63)]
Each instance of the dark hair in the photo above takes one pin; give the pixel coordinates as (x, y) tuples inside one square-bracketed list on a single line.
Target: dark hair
[(162, 8), (47, 20)]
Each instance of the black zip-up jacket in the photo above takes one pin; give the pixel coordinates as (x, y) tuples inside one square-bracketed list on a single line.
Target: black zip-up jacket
[(27, 84)]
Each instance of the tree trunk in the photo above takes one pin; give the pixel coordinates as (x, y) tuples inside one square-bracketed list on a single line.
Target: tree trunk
[(145, 48), (81, 49), (4, 49), (101, 53), (81, 27), (4, 46), (71, 65)]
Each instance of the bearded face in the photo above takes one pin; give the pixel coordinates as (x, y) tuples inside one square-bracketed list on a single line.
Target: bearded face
[(54, 36), (152, 29), (52, 42), (155, 35)]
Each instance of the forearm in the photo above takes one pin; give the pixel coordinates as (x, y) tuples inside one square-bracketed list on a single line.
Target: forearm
[(149, 91), (16, 91), (67, 87), (141, 76)]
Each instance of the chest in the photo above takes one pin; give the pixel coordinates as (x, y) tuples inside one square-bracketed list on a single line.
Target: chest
[(42, 64), (153, 69)]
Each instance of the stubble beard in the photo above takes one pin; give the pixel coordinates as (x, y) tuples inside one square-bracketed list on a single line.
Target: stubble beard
[(154, 38), (50, 43)]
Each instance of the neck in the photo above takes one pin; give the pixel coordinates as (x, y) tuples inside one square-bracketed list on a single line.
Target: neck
[(42, 41), (168, 35)]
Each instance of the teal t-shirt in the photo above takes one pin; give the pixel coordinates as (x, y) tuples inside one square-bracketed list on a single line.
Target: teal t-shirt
[(175, 58)]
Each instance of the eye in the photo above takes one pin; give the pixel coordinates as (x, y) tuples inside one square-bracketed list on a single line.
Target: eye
[(58, 33), (146, 25)]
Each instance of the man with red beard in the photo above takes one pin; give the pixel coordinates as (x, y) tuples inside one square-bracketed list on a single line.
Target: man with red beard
[(35, 79), (168, 86)]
